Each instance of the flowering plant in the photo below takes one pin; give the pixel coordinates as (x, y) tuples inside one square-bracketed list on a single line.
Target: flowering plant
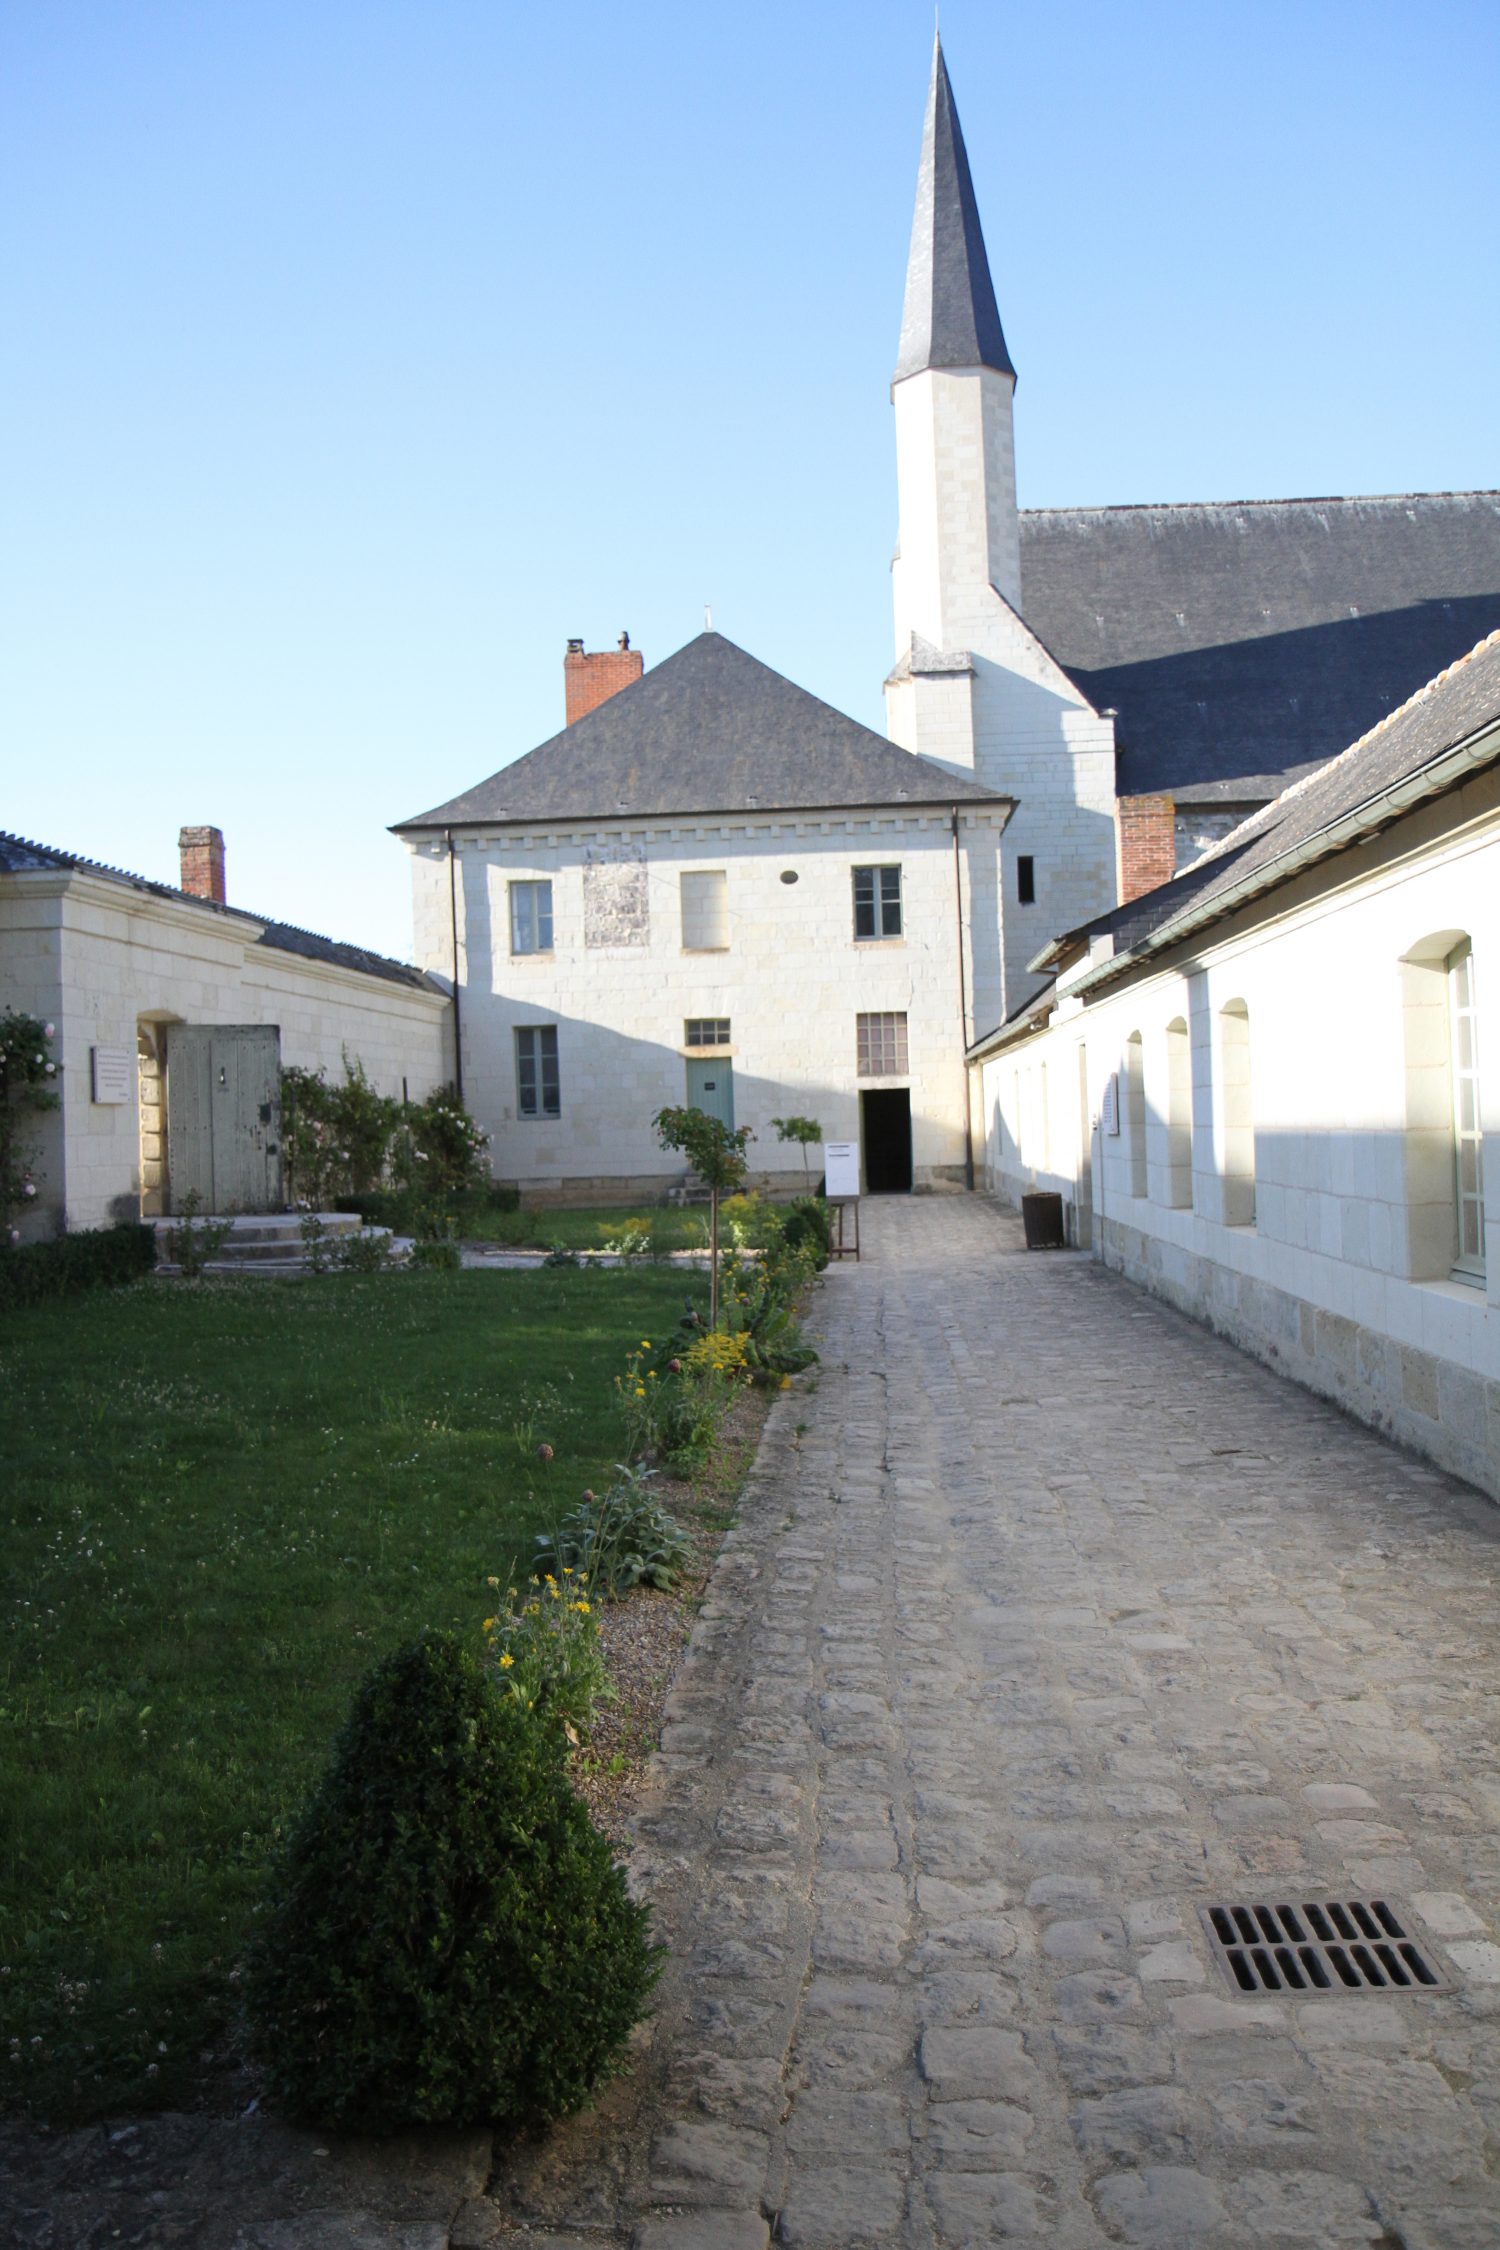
[(544, 1645), (27, 1071)]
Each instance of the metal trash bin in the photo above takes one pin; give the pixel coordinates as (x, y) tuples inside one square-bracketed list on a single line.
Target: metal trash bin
[(1042, 1213)]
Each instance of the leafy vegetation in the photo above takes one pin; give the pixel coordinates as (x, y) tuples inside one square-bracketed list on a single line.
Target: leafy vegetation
[(27, 1073), (94, 1258), (716, 1153), (220, 1505), (495, 1965), (622, 1540)]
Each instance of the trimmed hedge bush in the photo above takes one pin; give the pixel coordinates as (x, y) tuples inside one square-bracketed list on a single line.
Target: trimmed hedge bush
[(97, 1258), (807, 1226), (450, 1940)]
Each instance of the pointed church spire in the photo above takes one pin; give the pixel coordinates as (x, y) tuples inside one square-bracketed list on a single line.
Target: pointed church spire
[(950, 318)]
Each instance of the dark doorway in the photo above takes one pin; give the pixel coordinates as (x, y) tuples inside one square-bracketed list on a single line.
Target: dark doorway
[(886, 1119)]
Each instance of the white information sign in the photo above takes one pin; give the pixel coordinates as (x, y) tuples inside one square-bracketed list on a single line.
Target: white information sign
[(841, 1168), (114, 1074), (1109, 1108)]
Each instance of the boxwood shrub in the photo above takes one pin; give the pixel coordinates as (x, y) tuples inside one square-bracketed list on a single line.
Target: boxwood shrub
[(449, 1939), (96, 1258)]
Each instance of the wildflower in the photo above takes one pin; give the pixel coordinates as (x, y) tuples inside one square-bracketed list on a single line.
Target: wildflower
[(489, 1624), (567, 1570), (674, 1366), (493, 1582), (582, 1609), (506, 1661), (645, 1343)]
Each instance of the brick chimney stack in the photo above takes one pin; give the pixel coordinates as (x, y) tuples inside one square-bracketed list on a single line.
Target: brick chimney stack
[(591, 677), (202, 854), (1146, 834)]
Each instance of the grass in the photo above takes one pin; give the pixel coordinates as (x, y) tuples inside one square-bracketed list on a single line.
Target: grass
[(223, 1503)]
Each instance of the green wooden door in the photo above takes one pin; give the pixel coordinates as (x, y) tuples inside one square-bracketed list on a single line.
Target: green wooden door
[(710, 1087), (224, 1116)]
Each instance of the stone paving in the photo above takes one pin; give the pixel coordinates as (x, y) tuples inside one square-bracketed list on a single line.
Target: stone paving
[(1057, 1618)]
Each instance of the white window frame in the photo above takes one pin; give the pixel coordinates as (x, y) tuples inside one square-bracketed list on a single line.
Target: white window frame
[(532, 1059), (883, 904), (531, 916)]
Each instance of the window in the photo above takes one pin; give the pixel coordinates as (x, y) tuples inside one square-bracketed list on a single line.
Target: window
[(538, 1087), (1179, 1115), (1239, 1116), (881, 1040), (705, 912), (877, 902), (1468, 1138), (706, 1031), (1026, 880), (1135, 1112), (531, 917)]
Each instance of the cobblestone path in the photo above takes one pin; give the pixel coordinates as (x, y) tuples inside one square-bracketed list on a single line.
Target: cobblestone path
[(1058, 1618)]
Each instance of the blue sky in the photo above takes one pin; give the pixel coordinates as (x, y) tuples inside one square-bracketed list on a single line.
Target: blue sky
[(356, 354)]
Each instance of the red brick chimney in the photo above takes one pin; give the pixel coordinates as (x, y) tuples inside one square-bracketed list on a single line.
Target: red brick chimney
[(592, 677), (202, 853), (1146, 839)]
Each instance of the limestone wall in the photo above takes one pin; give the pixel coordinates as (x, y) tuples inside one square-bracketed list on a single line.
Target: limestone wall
[(1321, 1012), (99, 958), (791, 981)]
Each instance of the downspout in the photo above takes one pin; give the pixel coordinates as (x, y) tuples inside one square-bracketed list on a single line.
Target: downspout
[(963, 1011), (458, 1039)]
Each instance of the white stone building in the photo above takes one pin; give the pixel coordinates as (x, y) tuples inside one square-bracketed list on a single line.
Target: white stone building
[(1270, 1091), (712, 888), (173, 1013)]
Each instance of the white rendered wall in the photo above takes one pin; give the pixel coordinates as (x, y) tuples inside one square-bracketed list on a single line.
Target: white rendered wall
[(94, 957), (791, 981), (1334, 1282), (1014, 719)]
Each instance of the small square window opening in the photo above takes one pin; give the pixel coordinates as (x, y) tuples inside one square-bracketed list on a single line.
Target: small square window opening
[(706, 1031), (881, 1044)]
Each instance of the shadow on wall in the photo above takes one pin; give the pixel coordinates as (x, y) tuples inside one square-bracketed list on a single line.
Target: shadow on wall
[(1252, 709)]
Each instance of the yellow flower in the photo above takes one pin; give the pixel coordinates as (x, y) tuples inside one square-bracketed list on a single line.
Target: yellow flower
[(506, 1661), (489, 1625), (645, 1343), (567, 1570), (583, 1578), (551, 1581), (552, 1589), (582, 1609)]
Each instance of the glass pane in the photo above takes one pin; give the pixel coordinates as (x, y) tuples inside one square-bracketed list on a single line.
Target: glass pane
[(1468, 1168), (1468, 1109), (520, 918), (544, 917), (1469, 1230)]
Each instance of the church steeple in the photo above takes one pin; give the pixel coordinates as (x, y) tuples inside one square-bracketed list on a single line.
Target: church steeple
[(950, 318)]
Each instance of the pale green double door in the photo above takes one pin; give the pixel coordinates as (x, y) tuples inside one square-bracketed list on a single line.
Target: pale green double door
[(710, 1087)]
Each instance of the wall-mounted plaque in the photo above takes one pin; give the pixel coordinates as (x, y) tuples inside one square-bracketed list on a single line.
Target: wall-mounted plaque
[(114, 1074)]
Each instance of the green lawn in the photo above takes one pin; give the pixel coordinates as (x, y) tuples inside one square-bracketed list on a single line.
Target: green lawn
[(221, 1504)]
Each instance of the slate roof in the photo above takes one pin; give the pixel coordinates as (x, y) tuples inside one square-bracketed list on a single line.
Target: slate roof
[(1244, 643), (710, 730), (18, 856), (1378, 777), (950, 318)]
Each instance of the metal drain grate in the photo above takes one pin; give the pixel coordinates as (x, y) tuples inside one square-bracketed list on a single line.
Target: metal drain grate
[(1335, 1945)]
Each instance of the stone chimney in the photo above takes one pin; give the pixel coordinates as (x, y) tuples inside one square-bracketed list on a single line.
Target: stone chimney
[(591, 677), (1146, 833), (202, 853)]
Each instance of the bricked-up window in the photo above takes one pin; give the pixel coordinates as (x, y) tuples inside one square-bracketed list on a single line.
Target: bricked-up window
[(538, 1086), (705, 912), (531, 917), (877, 902), (1468, 1137), (706, 1031), (881, 1041)]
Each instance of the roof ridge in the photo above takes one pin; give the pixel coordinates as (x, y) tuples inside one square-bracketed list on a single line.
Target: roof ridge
[(1289, 500), (80, 861)]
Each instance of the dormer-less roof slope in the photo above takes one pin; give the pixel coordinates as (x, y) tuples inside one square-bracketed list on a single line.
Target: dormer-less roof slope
[(1449, 729), (1244, 643), (950, 318), (710, 730), (18, 856)]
